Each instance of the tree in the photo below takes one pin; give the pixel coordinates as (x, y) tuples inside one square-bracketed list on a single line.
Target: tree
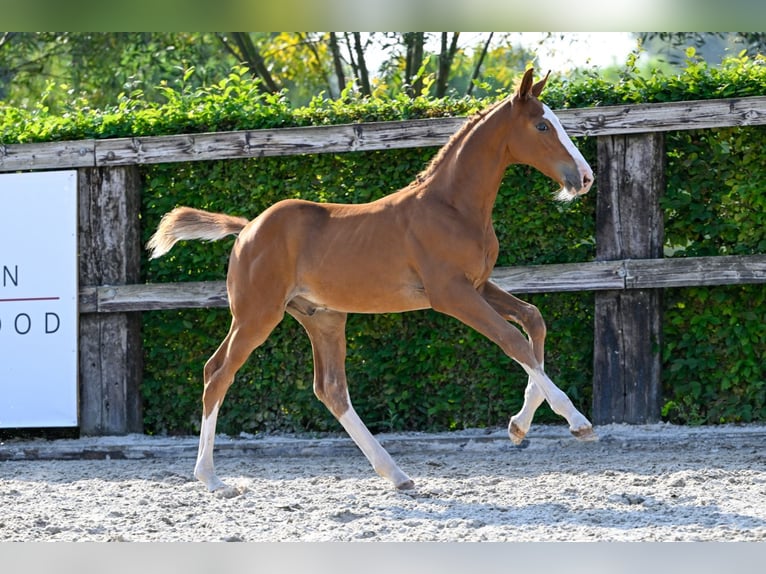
[(25, 62), (241, 46), (74, 69), (414, 43), (92, 69), (477, 69), (359, 63), (337, 62), (446, 57), (712, 46)]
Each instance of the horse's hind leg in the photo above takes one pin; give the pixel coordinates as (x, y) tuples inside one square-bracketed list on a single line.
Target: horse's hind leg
[(242, 339), (326, 329)]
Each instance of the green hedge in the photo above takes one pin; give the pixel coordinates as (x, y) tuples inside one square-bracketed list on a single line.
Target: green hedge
[(422, 370)]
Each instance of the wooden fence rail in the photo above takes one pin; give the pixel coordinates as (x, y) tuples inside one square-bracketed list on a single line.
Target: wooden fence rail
[(600, 121), (555, 278), (627, 276)]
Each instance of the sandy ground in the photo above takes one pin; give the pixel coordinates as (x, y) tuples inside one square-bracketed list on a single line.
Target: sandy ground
[(638, 483)]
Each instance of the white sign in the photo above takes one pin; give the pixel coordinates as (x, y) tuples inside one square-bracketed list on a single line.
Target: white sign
[(38, 300)]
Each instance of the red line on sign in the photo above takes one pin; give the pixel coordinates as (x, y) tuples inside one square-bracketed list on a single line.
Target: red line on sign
[(21, 299)]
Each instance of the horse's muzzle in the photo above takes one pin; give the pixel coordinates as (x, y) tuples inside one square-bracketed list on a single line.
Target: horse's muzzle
[(577, 180)]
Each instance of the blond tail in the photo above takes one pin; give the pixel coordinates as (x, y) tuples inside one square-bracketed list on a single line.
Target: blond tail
[(184, 223)]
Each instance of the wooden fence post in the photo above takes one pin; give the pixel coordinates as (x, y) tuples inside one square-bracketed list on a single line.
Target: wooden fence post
[(628, 324), (110, 343)]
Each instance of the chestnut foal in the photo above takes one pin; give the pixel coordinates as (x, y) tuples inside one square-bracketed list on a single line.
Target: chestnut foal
[(429, 245)]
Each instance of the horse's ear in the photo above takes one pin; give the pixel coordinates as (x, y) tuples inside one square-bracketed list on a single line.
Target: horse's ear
[(537, 89), (526, 84)]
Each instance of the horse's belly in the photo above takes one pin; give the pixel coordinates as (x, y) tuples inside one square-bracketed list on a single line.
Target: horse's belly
[(365, 298)]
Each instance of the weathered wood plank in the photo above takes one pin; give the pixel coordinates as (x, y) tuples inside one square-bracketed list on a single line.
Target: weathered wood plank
[(159, 149), (591, 276), (629, 221), (565, 277), (695, 271), (664, 117), (627, 368), (629, 224), (159, 296), (418, 133), (110, 353), (277, 142), (596, 121), (49, 155)]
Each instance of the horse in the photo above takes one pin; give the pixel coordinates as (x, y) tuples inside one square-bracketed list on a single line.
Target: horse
[(430, 244)]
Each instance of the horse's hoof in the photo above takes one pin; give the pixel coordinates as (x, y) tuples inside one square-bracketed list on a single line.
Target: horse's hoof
[(585, 434), (212, 483), (408, 484), (517, 435), (229, 491)]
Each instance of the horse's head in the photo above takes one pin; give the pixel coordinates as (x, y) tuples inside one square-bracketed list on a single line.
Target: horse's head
[(538, 139)]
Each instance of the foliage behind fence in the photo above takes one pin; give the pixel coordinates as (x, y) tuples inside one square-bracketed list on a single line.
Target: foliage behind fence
[(422, 370)]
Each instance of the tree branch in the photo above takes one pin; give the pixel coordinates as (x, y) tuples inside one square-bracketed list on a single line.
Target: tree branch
[(477, 69), (337, 62), (446, 57), (248, 54), (364, 77)]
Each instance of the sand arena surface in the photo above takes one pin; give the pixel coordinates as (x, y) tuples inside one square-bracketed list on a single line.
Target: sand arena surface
[(638, 483)]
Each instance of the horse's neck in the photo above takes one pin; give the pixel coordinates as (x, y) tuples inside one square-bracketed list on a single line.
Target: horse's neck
[(470, 176)]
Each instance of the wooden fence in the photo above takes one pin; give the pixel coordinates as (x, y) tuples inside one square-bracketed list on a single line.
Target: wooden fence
[(628, 274)]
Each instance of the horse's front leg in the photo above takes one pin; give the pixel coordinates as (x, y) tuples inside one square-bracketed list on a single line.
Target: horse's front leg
[(518, 426), (531, 320), (463, 302)]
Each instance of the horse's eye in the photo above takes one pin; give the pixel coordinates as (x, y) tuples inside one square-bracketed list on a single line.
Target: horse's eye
[(542, 126)]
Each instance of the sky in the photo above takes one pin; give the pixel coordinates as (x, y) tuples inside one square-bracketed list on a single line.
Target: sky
[(566, 50), (556, 51)]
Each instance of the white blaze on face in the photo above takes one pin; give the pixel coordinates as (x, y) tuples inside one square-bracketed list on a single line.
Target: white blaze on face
[(586, 173)]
